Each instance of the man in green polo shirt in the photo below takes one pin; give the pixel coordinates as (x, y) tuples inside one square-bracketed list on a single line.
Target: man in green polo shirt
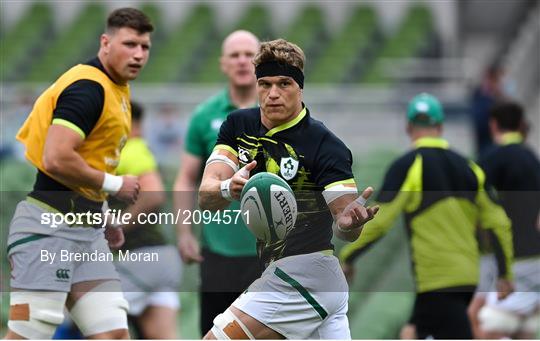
[(228, 258), (443, 197)]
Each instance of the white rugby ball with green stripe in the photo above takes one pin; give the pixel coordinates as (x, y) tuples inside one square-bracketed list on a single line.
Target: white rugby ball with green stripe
[(268, 207)]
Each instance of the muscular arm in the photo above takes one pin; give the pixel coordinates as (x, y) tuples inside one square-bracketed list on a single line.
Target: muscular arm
[(77, 110), (62, 162)]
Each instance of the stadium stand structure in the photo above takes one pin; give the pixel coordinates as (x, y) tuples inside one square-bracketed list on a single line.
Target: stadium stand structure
[(309, 31), (414, 37), (25, 40), (153, 11), (179, 52), (72, 44), (188, 51), (255, 19), (347, 47)]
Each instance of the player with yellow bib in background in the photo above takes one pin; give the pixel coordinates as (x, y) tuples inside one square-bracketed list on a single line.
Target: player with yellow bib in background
[(73, 137)]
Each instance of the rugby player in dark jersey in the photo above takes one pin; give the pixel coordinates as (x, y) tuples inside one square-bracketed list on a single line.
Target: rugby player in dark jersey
[(302, 293)]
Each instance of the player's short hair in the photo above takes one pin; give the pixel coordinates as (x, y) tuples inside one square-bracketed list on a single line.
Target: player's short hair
[(131, 18), (137, 111), (282, 51), (508, 115)]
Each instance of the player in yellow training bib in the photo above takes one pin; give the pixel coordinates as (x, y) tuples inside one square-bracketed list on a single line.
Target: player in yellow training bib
[(73, 136)]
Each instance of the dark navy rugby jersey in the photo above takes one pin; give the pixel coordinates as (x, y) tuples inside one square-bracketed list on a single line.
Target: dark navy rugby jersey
[(443, 197), (514, 170), (304, 153)]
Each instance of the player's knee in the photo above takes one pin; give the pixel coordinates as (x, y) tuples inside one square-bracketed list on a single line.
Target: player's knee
[(229, 327), (100, 311), (493, 320), (34, 314), (158, 330)]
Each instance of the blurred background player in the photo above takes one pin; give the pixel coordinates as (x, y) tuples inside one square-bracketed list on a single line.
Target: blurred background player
[(442, 196), (74, 136), (514, 170), (151, 288), (485, 95), (229, 262), (302, 293)]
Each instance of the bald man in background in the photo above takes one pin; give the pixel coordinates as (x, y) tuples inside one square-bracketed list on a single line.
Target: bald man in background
[(227, 253)]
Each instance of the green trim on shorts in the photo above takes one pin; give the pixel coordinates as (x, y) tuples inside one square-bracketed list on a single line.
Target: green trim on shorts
[(26, 240), (303, 291)]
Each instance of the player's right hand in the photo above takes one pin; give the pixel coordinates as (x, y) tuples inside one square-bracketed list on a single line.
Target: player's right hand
[(240, 178), (189, 248), (115, 237), (129, 191)]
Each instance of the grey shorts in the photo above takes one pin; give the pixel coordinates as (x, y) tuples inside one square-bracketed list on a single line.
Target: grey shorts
[(41, 262), (42, 258), (152, 283), (525, 299)]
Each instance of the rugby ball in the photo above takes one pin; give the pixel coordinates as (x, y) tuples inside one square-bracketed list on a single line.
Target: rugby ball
[(268, 207)]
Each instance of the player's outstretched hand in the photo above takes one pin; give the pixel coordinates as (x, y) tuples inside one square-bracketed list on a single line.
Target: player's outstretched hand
[(129, 191), (240, 178), (115, 237), (189, 248), (355, 214)]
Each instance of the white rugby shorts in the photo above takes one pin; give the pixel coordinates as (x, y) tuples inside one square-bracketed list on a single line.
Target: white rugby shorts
[(300, 297)]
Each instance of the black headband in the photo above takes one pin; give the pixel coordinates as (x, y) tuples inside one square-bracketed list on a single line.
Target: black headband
[(274, 68)]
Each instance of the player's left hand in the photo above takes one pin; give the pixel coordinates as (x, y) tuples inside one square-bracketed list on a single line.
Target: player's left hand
[(355, 214), (115, 237)]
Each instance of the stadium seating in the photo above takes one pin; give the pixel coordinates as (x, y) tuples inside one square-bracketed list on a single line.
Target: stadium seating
[(153, 11), (308, 30), (189, 50), (23, 41), (171, 59), (73, 45), (411, 38), (255, 19), (347, 47)]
